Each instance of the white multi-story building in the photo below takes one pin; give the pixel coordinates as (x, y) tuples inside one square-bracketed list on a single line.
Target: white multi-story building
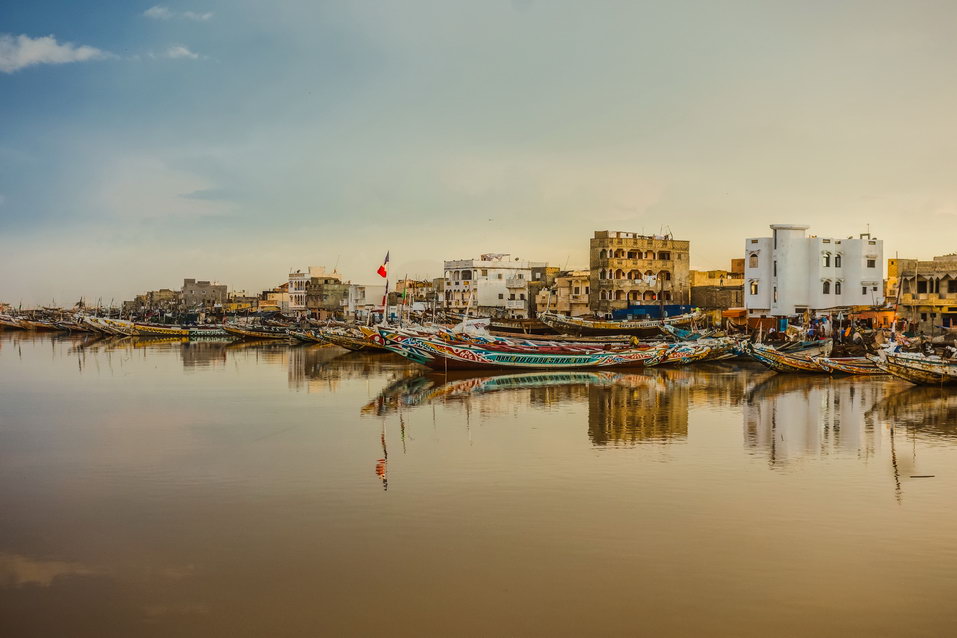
[(363, 299), (492, 283), (297, 286), (789, 272)]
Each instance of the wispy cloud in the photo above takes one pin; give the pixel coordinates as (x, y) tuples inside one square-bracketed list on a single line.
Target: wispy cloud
[(19, 52), (159, 12), (178, 51)]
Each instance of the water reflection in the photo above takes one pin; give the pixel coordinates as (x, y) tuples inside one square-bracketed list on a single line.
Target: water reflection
[(164, 485), (623, 408)]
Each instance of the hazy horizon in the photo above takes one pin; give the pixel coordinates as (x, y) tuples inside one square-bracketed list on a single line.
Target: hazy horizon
[(231, 140)]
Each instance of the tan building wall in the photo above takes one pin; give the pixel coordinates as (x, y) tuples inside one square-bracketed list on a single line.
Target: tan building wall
[(631, 269), (928, 291), (568, 295)]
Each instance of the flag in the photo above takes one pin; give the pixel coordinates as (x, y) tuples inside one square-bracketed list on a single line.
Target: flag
[(384, 268)]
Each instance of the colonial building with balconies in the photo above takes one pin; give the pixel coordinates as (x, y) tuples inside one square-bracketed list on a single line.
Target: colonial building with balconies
[(630, 269), (925, 291)]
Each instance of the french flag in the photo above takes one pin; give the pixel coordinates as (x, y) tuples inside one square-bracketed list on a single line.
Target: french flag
[(384, 268)]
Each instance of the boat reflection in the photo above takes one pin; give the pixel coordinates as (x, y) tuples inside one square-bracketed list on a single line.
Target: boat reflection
[(624, 409), (924, 411)]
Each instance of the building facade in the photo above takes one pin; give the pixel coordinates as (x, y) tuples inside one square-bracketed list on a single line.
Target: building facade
[(298, 281), (629, 269), (568, 295), (925, 291), (790, 273), (326, 295), (202, 294), (494, 284)]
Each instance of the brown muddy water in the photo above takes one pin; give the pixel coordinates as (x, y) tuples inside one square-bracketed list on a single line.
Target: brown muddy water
[(152, 488)]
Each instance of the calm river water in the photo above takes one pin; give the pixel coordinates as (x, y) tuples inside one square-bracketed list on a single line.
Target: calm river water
[(212, 489)]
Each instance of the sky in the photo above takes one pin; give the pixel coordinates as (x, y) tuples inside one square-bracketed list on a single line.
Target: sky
[(232, 140)]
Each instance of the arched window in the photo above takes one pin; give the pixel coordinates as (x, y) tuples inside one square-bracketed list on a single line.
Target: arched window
[(664, 255), (634, 254), (601, 273), (619, 274), (466, 275), (826, 288), (649, 254), (666, 295), (602, 295), (620, 253), (649, 296), (664, 274), (456, 275), (619, 294), (753, 260), (826, 260), (837, 260), (603, 254), (837, 284), (634, 295), (754, 287)]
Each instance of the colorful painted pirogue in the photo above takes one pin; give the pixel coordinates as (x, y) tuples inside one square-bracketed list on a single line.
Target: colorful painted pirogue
[(782, 361), (353, 339), (848, 365), (441, 355), (645, 328), (917, 368)]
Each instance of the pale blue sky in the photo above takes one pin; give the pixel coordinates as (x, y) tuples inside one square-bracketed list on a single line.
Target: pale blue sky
[(233, 139)]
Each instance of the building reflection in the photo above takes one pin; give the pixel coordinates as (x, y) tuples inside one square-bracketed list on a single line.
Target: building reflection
[(792, 417)]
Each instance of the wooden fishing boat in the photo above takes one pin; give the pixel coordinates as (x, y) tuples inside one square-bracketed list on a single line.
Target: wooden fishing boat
[(441, 355), (644, 328), (250, 332), (848, 365), (918, 369), (40, 325), (355, 341), (306, 336), (154, 330), (6, 321), (685, 353), (201, 332), (782, 361)]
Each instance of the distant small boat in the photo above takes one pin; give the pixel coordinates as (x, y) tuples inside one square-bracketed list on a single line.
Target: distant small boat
[(39, 324), (8, 321), (154, 330), (256, 332)]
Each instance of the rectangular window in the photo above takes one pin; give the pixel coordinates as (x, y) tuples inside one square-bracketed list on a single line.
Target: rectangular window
[(484, 272), (864, 290), (501, 296), (952, 285), (578, 290), (775, 268), (871, 263), (512, 296), (921, 287)]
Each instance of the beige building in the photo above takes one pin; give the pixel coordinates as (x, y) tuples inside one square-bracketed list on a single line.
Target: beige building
[(202, 293), (628, 269), (928, 291), (568, 295)]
